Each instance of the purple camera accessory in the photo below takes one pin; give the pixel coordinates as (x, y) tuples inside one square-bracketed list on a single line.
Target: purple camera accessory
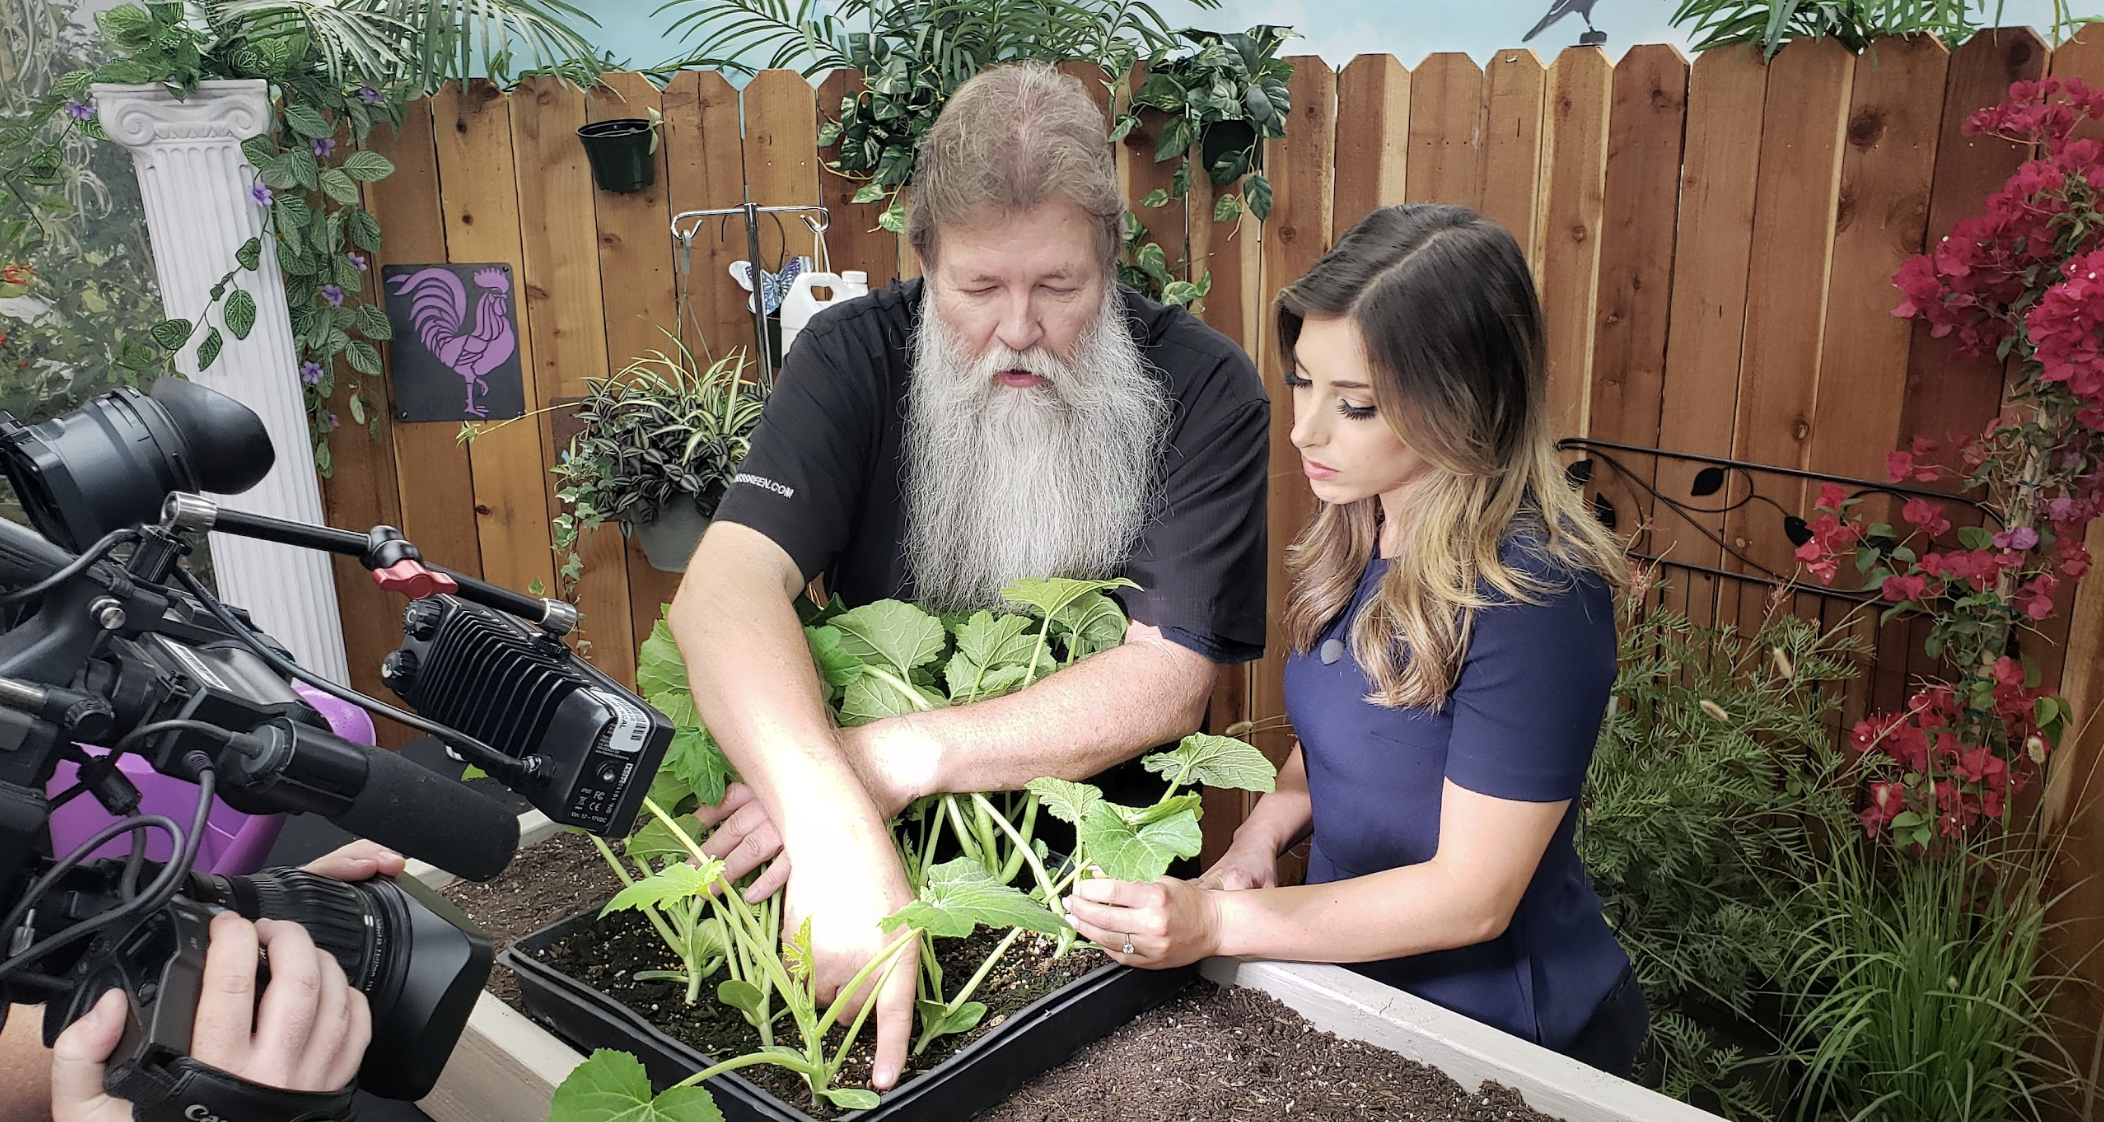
[(235, 844)]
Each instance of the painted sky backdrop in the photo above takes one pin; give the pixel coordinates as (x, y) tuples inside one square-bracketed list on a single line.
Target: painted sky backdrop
[(1334, 29)]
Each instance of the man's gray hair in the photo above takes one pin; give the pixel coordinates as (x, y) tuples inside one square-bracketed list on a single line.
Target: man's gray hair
[(1011, 138)]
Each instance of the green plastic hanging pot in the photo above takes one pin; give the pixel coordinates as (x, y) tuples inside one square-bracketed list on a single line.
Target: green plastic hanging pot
[(621, 153)]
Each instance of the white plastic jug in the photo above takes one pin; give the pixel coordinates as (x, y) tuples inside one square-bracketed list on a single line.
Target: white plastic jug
[(800, 305)]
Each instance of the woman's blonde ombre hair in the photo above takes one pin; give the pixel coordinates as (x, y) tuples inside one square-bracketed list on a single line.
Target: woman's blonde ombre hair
[(1445, 307)]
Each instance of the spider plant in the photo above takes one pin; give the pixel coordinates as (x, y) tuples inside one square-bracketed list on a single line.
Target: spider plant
[(1773, 23)]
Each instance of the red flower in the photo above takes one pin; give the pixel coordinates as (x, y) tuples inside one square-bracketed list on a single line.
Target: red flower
[(1899, 589), (2035, 598), (1926, 516), (1887, 799), (1831, 496)]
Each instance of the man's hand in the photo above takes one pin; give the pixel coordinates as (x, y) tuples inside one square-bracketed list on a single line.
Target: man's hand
[(307, 1034), (894, 763), (846, 896)]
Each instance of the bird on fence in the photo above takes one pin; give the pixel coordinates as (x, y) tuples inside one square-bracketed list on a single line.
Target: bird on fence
[(1559, 9)]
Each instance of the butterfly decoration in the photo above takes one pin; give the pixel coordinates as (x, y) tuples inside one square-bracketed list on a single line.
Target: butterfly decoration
[(773, 286)]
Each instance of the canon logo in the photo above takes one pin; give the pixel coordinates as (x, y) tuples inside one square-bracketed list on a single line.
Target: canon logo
[(196, 1112)]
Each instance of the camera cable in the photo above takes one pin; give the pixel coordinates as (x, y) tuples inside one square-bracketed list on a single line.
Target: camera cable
[(73, 568)]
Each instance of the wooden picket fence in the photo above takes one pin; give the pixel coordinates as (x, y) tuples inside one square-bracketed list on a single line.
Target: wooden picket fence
[(1714, 245)]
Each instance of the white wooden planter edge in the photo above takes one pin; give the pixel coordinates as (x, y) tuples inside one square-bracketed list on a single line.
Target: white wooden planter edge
[(506, 1068)]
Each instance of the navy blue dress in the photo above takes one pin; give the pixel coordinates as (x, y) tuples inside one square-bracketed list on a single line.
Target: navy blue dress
[(1520, 725)]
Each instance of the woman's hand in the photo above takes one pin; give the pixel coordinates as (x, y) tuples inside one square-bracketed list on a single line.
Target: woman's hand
[(1160, 925), (1244, 865)]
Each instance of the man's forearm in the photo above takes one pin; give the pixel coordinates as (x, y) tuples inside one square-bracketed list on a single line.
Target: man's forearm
[(758, 695), (1073, 724)]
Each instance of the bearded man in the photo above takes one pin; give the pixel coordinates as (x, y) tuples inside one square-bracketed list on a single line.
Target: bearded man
[(1015, 413)]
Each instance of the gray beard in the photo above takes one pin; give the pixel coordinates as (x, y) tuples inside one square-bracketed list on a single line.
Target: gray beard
[(1050, 481)]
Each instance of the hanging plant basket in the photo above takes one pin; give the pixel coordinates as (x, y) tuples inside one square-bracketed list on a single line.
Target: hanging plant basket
[(622, 153), (669, 539)]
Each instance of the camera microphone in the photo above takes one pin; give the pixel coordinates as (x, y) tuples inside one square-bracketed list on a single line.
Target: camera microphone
[(373, 793)]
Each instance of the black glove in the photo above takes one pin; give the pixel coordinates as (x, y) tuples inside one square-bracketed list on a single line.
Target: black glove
[(183, 1090)]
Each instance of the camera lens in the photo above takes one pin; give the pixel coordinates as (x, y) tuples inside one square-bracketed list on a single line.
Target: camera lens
[(111, 462), (418, 960)]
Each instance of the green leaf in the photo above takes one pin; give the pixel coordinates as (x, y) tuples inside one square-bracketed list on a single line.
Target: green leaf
[(373, 323), (660, 668), (1157, 197), (965, 1017), (698, 760), (1215, 761), (338, 186), (1976, 537), (362, 228), (240, 313), (171, 334), (306, 121), (1178, 293), (743, 996), (1065, 800), (367, 167), (1256, 190), (836, 668), (1050, 594), (1174, 140), (250, 255), (895, 633), (960, 896), (869, 193), (869, 698), (208, 350), (893, 219), (656, 841), (852, 1098), (363, 357), (472, 772), (613, 1087), (259, 149), (1138, 850), (1227, 208), (356, 404), (1907, 820), (1093, 622), (676, 881)]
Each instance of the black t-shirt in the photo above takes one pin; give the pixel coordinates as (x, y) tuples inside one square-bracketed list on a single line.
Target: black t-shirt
[(825, 475)]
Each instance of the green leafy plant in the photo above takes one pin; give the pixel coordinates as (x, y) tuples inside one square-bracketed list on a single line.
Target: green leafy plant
[(1223, 97), (1715, 790), (335, 69), (1771, 24)]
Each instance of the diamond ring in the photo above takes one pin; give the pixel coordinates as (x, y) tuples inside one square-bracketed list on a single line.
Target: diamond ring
[(1127, 948)]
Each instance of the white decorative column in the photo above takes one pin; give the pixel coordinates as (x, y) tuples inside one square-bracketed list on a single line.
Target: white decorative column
[(195, 182)]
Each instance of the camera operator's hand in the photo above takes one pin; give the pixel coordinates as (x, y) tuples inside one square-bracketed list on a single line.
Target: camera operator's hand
[(308, 1033)]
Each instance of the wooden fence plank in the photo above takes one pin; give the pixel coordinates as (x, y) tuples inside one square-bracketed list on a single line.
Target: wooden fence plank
[(475, 163), (559, 279), (1645, 127), (1445, 163), (781, 157), (637, 280), (438, 508), (854, 241), (1574, 161), (705, 170), (1515, 85), (1373, 93), (1803, 127), (1947, 394), (1295, 236), (1706, 325)]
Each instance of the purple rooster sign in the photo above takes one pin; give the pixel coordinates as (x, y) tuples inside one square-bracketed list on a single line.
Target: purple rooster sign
[(456, 347)]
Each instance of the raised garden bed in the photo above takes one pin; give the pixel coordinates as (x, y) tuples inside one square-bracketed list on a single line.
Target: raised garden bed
[(507, 1066)]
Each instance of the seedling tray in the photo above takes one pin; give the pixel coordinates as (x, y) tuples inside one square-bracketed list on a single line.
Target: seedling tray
[(1035, 1039)]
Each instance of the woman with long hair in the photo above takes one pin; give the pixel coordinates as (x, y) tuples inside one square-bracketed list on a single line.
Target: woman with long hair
[(1453, 642)]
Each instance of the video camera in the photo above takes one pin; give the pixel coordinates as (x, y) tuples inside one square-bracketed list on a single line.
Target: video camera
[(107, 638)]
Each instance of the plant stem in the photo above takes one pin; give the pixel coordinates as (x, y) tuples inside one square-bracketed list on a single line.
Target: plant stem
[(747, 1060), (891, 965), (649, 911), (904, 688), (964, 836), (888, 954), (1022, 845), (1015, 860), (928, 1036)]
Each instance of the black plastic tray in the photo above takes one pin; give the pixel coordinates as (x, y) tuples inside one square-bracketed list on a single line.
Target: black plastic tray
[(1033, 1040)]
